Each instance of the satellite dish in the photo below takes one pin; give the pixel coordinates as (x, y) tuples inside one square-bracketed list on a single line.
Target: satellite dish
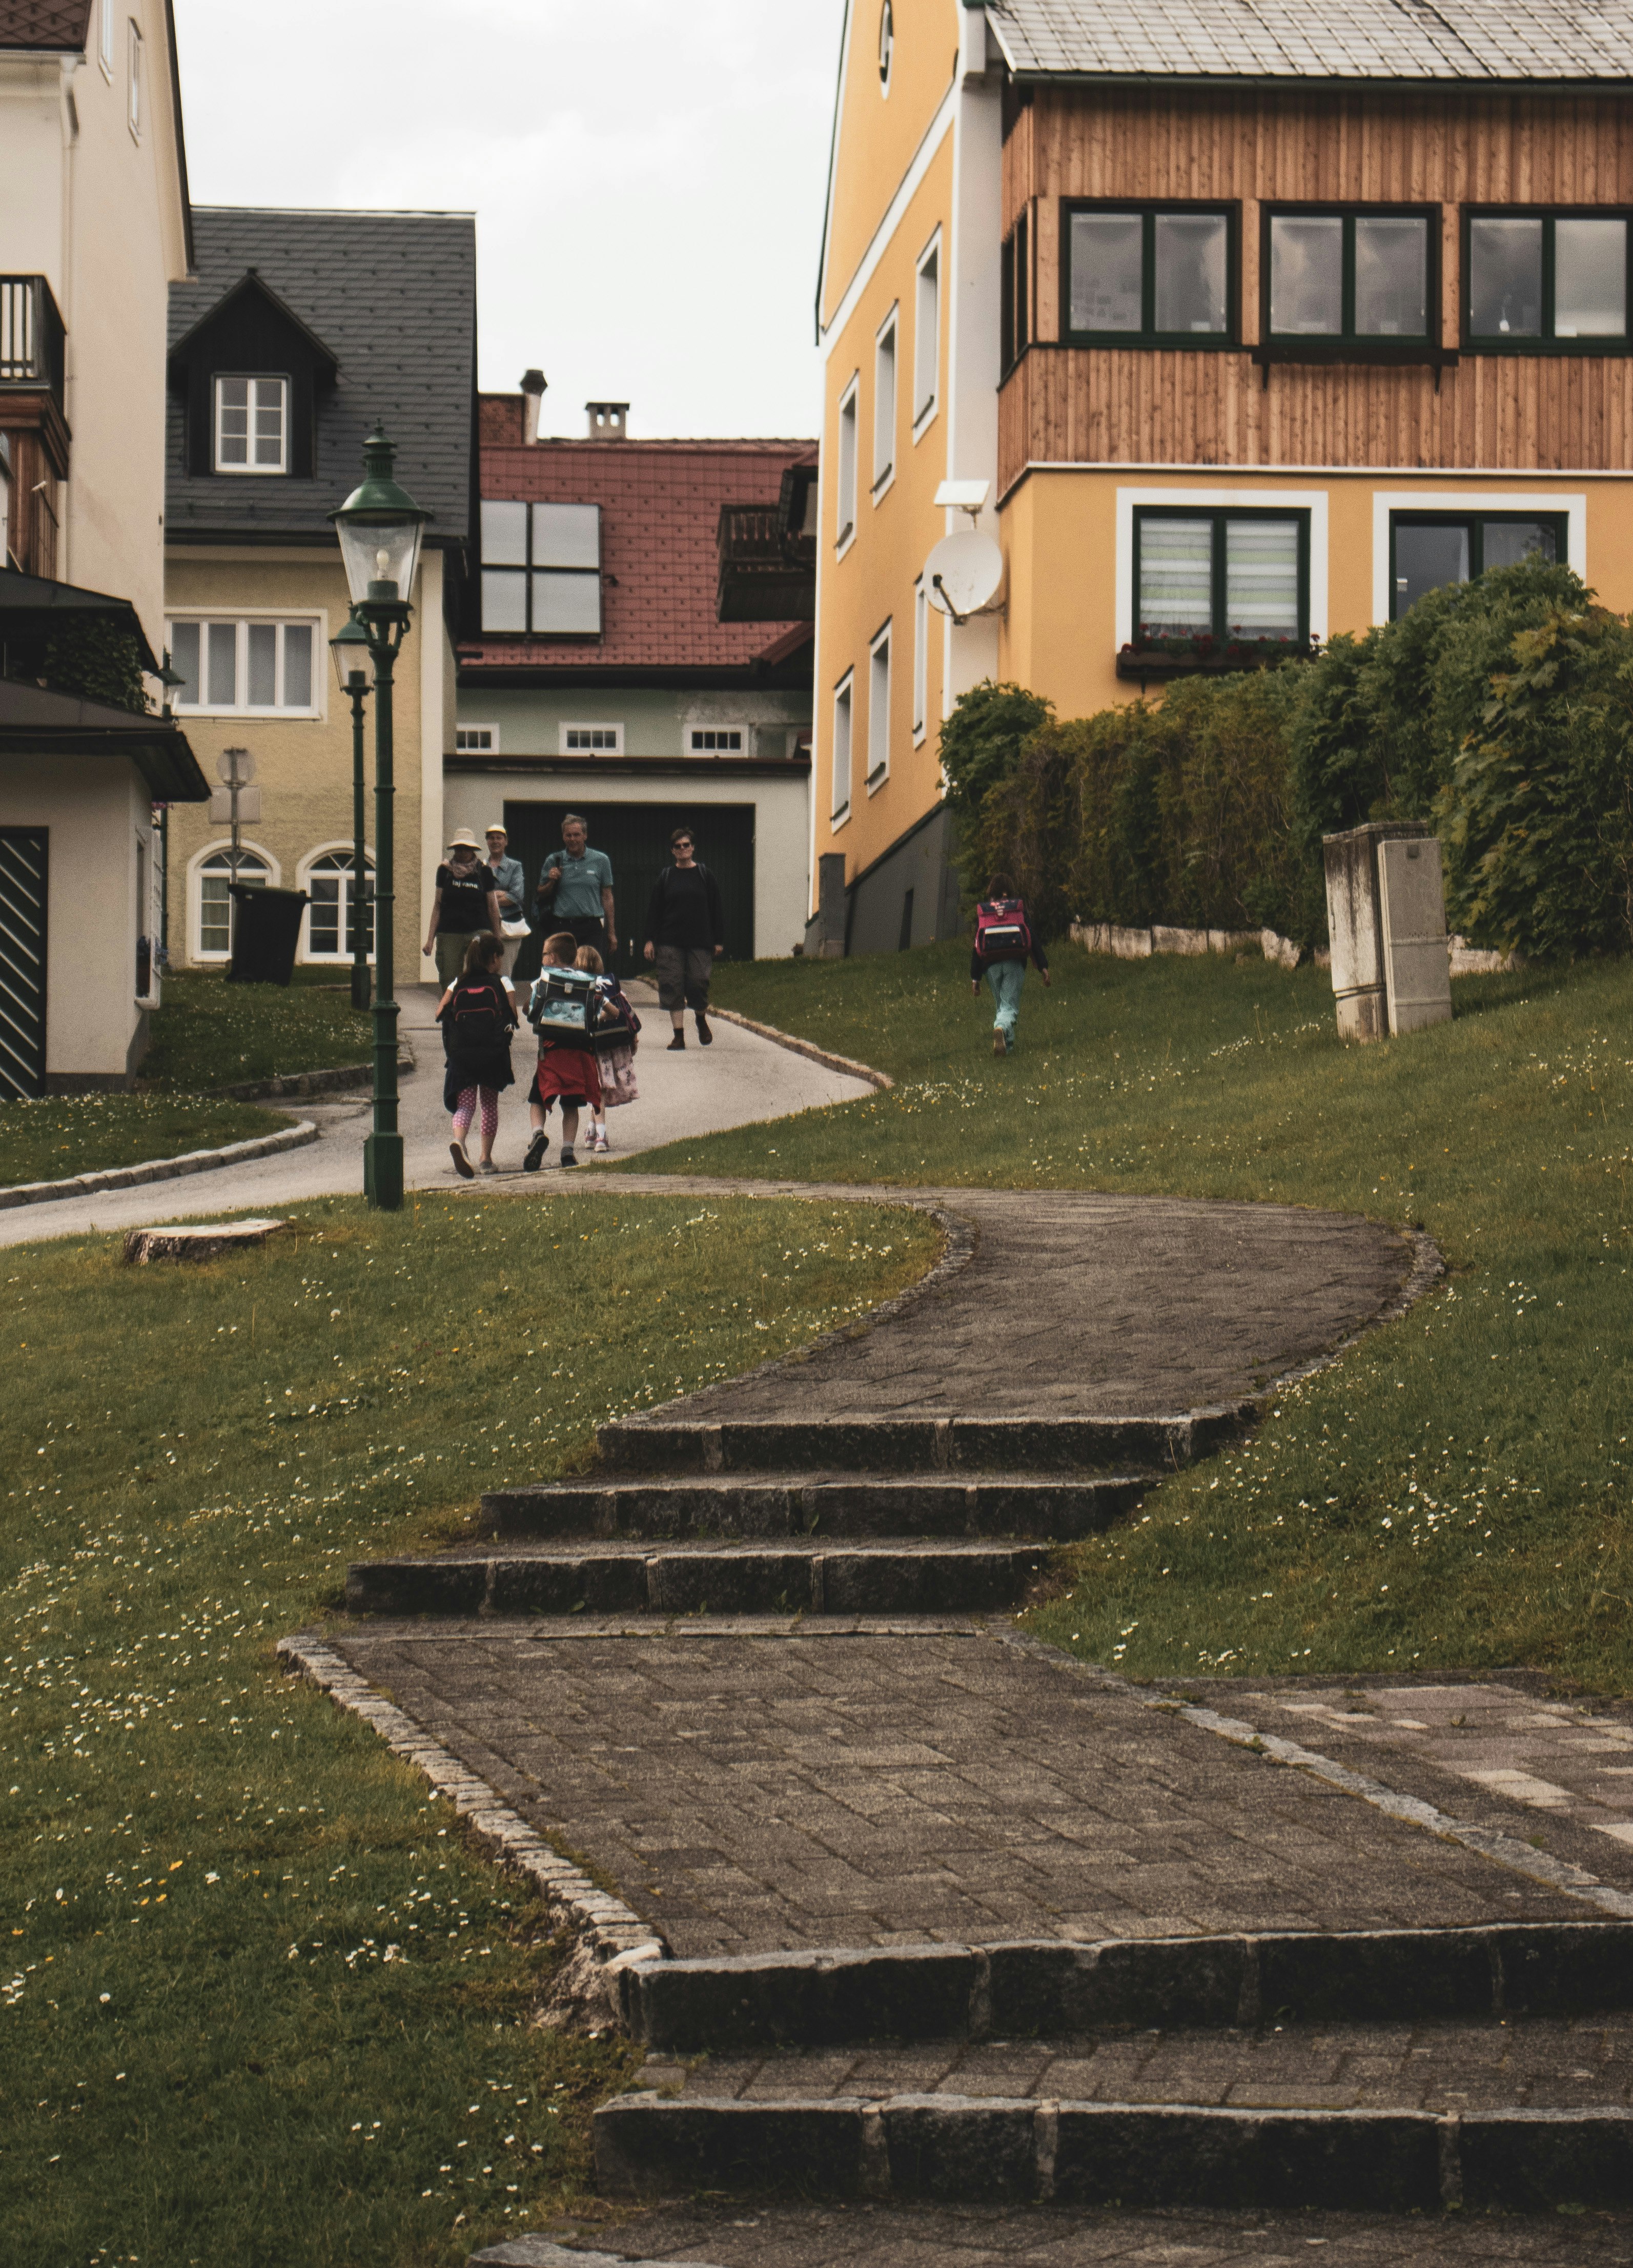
[(964, 573)]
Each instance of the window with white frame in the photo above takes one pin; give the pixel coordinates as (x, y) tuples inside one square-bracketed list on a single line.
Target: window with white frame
[(135, 102), (593, 739), (542, 568), (926, 335), (252, 424), (105, 40), (847, 509), (841, 800), (254, 667), (878, 710), (716, 740), (476, 739), (332, 908), (212, 898), (884, 404), (921, 658)]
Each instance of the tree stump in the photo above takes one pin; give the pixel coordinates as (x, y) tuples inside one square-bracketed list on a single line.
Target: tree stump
[(202, 1240)]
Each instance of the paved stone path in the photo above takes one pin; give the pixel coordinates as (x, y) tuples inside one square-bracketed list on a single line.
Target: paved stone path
[(740, 1079), (752, 1793), (734, 2236)]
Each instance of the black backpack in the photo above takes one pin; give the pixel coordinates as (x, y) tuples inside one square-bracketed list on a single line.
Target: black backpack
[(477, 1019)]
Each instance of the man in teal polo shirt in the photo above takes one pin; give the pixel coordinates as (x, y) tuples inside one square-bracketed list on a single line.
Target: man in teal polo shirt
[(575, 890)]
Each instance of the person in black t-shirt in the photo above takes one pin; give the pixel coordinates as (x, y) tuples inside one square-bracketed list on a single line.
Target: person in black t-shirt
[(467, 902), (685, 936)]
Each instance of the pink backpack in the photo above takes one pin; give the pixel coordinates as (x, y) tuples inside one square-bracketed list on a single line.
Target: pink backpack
[(1001, 930)]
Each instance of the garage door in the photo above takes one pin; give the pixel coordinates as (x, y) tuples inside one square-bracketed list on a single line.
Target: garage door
[(23, 859), (636, 837)]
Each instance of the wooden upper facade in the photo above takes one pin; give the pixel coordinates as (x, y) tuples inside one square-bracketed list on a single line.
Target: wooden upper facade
[(1251, 401)]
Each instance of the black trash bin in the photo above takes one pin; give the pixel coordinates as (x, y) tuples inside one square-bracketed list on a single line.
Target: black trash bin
[(266, 932)]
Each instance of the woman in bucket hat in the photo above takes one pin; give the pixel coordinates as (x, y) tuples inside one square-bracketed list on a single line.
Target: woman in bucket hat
[(467, 902)]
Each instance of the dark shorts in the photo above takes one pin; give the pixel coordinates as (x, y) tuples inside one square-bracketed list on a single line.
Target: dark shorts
[(683, 974)]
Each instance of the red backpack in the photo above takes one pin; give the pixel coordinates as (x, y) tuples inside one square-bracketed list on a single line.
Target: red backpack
[(1001, 930)]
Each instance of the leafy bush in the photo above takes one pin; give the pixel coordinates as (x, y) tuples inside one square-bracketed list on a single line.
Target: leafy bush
[(98, 661), (983, 740)]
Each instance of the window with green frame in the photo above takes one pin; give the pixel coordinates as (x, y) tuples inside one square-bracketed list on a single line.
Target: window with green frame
[(1207, 581), (1151, 274), (1428, 550), (1546, 282), (1350, 277)]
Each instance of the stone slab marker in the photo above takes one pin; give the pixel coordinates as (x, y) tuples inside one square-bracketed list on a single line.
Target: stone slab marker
[(1417, 965), (1355, 918)]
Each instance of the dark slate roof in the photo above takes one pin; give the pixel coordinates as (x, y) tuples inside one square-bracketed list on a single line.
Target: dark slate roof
[(1486, 41), (393, 296), (54, 25)]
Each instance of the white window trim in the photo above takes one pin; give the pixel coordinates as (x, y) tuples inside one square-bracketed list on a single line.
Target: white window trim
[(924, 418), (470, 726), (303, 881), (921, 663), (252, 378), (243, 617), (851, 400), (839, 814), (196, 955), (591, 724), (890, 330), (877, 774), (135, 105), (1453, 500), (1315, 501), (106, 10), (721, 724)]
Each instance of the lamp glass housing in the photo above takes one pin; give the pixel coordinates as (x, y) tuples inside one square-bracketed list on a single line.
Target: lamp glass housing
[(349, 647), (379, 527)]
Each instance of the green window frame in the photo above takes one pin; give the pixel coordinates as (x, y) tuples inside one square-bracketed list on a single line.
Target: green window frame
[(1349, 342), (1546, 338), (1473, 526), (1225, 559), (1159, 248)]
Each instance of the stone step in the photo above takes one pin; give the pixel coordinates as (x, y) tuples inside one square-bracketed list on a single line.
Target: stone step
[(1441, 2130), (765, 1505), (924, 1445), (695, 1578), (1039, 1989)]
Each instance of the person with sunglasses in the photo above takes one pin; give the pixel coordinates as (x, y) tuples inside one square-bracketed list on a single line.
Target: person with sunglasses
[(685, 937)]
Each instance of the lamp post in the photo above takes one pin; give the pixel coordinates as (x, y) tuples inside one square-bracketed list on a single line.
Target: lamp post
[(354, 668), (379, 527)]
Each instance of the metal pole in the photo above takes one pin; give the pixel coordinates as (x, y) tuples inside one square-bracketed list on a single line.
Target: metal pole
[(382, 1152), (356, 687)]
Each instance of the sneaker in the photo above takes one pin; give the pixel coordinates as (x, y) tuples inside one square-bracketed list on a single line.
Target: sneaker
[(677, 1043), (705, 1037), (486, 1166), (462, 1165), (568, 1156), (536, 1149), (600, 1145), (1000, 1045)]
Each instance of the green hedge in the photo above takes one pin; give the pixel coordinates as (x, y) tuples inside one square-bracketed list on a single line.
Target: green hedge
[(1501, 711)]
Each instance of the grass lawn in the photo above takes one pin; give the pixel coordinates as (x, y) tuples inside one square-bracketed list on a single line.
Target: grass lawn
[(1453, 1492), (60, 1135), (210, 1034), (264, 2004)]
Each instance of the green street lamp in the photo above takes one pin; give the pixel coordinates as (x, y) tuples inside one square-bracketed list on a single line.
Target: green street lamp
[(354, 669), (379, 527)]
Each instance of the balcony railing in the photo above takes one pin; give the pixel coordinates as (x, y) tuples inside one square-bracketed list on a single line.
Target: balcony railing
[(766, 574), (30, 335)]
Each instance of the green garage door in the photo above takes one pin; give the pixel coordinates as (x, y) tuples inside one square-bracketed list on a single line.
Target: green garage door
[(23, 855), (636, 837)]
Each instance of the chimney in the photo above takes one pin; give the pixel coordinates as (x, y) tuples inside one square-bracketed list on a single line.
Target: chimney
[(533, 402), (608, 419)]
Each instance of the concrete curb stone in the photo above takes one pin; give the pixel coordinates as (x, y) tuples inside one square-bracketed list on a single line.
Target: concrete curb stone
[(161, 1169)]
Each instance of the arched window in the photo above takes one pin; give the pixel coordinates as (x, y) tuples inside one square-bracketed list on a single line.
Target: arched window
[(329, 915), (215, 903)]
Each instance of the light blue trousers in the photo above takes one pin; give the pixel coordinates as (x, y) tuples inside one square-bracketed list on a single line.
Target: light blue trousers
[(1006, 978)]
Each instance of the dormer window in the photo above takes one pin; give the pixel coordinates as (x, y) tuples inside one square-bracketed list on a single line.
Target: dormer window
[(252, 424)]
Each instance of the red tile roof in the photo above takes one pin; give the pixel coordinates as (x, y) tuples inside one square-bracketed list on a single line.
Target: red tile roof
[(59, 24), (660, 507)]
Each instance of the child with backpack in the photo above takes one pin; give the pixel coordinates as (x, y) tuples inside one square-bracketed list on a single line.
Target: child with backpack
[(1003, 944), (565, 1007), (477, 1014), (614, 1040)]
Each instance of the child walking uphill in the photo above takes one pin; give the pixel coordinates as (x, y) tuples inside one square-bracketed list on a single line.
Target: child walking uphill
[(477, 1014), (566, 1071), (1003, 944)]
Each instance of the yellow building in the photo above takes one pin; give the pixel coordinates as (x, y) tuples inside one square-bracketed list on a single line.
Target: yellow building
[(1240, 330), (300, 329)]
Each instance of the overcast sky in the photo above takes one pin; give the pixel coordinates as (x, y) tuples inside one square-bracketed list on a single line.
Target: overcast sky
[(647, 176)]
